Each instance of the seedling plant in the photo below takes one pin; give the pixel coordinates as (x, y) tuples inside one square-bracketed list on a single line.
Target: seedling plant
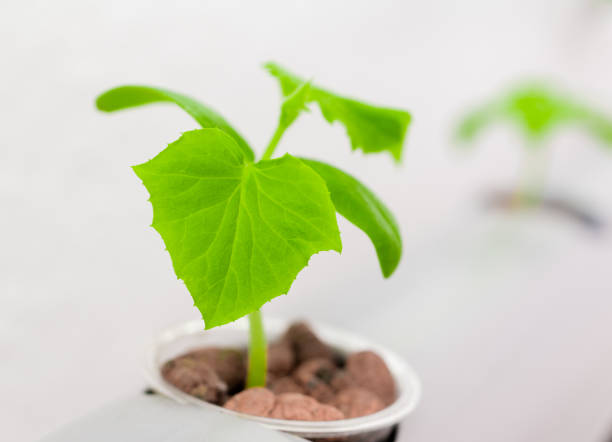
[(240, 228), (537, 111)]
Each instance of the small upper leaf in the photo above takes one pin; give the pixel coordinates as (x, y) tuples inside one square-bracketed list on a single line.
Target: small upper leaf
[(361, 207), (294, 105), (370, 128), (537, 111), (123, 97), (238, 233)]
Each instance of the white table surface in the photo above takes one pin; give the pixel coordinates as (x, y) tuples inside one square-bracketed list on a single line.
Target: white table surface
[(155, 418), (508, 320)]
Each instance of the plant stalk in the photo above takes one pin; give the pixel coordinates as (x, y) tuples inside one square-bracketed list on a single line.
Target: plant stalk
[(531, 184), (278, 133), (258, 352), (258, 348)]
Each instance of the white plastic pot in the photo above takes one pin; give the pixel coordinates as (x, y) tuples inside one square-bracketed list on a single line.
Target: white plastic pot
[(190, 335)]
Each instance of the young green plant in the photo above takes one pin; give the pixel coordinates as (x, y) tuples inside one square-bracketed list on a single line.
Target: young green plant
[(537, 111), (239, 230)]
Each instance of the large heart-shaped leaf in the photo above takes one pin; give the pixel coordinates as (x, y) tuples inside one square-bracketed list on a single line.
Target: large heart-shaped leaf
[(238, 232)]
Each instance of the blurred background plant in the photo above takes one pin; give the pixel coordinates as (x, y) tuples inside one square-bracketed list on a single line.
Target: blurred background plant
[(537, 110)]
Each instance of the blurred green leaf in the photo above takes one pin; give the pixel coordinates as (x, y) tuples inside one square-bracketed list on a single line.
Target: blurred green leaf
[(537, 111)]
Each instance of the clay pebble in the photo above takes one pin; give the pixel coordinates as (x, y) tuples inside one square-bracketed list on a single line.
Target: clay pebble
[(295, 406), (285, 385), (342, 380), (229, 363), (357, 402), (196, 378), (256, 401), (292, 406), (281, 358), (314, 376), (306, 344), (369, 371)]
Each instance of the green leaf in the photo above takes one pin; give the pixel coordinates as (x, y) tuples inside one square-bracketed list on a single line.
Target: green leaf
[(294, 105), (238, 233), (474, 123), (361, 207), (124, 97), (537, 111), (370, 128)]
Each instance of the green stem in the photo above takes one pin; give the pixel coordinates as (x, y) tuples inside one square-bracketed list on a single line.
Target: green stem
[(278, 133), (531, 183), (258, 349), (257, 352)]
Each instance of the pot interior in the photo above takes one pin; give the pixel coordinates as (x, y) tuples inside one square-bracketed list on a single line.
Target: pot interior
[(188, 336)]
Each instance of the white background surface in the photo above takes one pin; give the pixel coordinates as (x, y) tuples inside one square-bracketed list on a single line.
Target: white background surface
[(509, 320)]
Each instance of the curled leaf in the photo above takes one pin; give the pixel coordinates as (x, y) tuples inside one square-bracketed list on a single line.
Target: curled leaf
[(361, 207), (124, 97)]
